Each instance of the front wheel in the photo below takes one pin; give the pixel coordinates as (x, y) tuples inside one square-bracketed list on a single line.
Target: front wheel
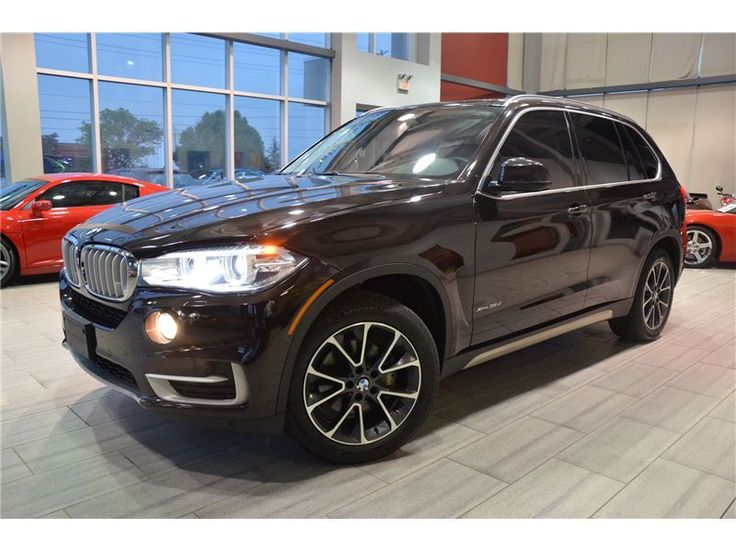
[(652, 303), (701, 247), (8, 263), (367, 376)]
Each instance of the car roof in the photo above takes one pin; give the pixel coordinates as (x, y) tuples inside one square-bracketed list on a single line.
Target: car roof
[(521, 101), (70, 176)]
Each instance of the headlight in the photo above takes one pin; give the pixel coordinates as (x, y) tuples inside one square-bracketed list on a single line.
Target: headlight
[(221, 270)]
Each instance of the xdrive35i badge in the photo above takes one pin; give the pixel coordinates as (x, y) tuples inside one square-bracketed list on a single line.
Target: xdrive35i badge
[(489, 306)]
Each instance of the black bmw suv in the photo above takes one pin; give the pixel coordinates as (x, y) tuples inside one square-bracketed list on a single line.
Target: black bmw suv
[(411, 243)]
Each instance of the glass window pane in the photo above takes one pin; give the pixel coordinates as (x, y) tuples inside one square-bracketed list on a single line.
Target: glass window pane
[(84, 194), (66, 51), (601, 149), (257, 136), (66, 129), (363, 41), (308, 76), (306, 126), (543, 137), (272, 35), (198, 60), (199, 137), (396, 45), (131, 129), (257, 69), (633, 161), (651, 164), (315, 39), (133, 55)]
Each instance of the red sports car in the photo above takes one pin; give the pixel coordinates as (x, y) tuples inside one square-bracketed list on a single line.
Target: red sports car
[(711, 236), (36, 213)]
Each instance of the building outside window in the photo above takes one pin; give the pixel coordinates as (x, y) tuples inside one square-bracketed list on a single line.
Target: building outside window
[(395, 45), (229, 109)]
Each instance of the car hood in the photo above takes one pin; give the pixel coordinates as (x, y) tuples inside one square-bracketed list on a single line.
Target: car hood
[(240, 210)]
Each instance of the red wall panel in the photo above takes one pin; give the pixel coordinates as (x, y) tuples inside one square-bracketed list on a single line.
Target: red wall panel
[(478, 56)]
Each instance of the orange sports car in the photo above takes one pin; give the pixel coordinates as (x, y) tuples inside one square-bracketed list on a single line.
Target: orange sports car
[(711, 236), (36, 213)]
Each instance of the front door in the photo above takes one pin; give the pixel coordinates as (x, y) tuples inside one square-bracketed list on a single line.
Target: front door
[(532, 248)]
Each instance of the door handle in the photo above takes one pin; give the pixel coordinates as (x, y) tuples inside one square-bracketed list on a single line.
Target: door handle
[(577, 209), (651, 196)]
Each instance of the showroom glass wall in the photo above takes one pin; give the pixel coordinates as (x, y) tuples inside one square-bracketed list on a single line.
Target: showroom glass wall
[(179, 109)]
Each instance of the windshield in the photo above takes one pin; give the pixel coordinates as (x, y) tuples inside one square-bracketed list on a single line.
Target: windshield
[(13, 194), (429, 142)]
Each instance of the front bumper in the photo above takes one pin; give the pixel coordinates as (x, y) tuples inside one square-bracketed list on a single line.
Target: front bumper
[(224, 367)]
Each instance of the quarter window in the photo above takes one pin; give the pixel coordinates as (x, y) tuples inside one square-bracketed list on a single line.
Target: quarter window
[(542, 136), (601, 149), (84, 194)]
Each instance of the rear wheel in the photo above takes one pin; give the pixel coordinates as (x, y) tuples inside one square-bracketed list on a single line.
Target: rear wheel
[(652, 302), (8, 262), (366, 379), (701, 247)]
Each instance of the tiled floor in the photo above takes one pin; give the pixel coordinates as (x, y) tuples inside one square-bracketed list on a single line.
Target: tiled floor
[(580, 426)]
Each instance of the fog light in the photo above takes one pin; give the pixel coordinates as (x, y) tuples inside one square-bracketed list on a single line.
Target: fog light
[(161, 327)]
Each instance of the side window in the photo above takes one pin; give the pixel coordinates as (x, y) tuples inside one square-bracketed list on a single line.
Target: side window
[(633, 161), (601, 149), (84, 194), (542, 136), (649, 160), (129, 192)]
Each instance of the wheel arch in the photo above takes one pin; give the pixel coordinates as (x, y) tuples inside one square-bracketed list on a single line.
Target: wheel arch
[(378, 279)]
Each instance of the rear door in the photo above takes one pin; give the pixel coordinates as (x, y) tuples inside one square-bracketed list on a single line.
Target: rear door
[(532, 248), (626, 197), (72, 203)]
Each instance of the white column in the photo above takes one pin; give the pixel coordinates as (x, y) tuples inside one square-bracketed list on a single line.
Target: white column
[(22, 132)]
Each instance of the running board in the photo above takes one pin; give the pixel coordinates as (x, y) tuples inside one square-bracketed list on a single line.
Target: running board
[(544, 335)]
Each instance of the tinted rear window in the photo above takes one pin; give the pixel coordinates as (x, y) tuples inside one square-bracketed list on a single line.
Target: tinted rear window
[(649, 160), (601, 149), (633, 160)]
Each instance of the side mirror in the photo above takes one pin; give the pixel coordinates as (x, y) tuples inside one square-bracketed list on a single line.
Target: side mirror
[(41, 205), (520, 174)]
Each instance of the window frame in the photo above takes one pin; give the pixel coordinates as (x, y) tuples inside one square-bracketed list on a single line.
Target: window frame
[(492, 159)]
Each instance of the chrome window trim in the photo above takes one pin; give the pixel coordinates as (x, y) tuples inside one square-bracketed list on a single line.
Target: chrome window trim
[(502, 141)]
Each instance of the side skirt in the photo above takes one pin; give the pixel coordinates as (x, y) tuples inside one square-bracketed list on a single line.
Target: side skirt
[(477, 356)]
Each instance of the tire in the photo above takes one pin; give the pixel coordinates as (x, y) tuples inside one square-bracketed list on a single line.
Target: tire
[(702, 246), (650, 310), (8, 262), (339, 387)]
